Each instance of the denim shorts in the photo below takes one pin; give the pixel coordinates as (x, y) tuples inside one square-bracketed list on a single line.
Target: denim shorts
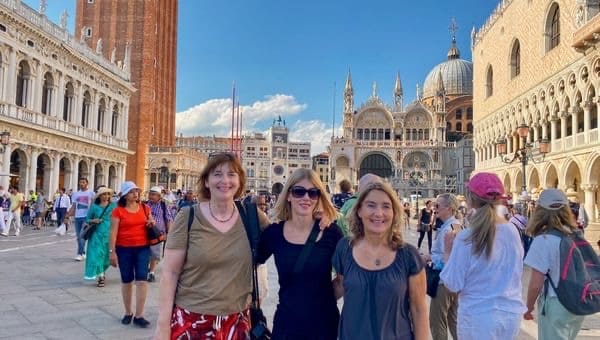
[(133, 263)]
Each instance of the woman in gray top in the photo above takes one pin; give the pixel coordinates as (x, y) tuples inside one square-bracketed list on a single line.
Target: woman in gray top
[(380, 277)]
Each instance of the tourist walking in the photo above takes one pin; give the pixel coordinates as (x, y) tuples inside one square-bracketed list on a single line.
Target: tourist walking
[(97, 260), (164, 218), (129, 249), (552, 215), (380, 277), (81, 202), (307, 306), (17, 200), (443, 307), (425, 225), (62, 203), (484, 266)]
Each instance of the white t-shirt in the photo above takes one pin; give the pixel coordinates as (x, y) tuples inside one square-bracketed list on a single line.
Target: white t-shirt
[(544, 256), (486, 284), (83, 201)]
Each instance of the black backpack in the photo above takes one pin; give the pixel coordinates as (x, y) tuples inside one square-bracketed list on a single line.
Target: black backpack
[(578, 286)]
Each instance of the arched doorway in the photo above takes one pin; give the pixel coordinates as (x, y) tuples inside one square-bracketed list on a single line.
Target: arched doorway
[(551, 177), (276, 189), (534, 180), (506, 182), (341, 170), (64, 173), (98, 176), (377, 164), (42, 178), (518, 182), (82, 170), (573, 179), (18, 169), (112, 177)]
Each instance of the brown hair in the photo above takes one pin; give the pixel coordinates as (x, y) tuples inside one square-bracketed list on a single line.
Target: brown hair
[(215, 161), (482, 224), (543, 220), (345, 185), (356, 226), (282, 210)]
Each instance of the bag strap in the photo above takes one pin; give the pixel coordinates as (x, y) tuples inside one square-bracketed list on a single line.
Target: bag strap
[(249, 218), (308, 246), (103, 211)]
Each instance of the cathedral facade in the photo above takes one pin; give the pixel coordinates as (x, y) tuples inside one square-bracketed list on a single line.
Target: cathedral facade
[(64, 106), (410, 146), (539, 67)]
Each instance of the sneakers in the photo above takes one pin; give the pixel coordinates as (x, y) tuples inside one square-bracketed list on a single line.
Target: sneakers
[(4, 234), (79, 257), (141, 322), (151, 277), (17, 232), (126, 320)]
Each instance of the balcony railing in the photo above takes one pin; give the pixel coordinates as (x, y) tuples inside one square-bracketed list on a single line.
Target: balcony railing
[(33, 119), (395, 144)]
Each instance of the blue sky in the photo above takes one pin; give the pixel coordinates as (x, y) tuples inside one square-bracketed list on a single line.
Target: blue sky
[(286, 55)]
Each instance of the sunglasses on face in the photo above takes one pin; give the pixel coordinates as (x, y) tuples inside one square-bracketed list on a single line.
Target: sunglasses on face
[(299, 192)]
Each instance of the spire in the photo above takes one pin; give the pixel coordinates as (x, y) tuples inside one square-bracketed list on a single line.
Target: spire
[(440, 93), (374, 95), (473, 37), (348, 94), (439, 82), (398, 93), (418, 92), (453, 52)]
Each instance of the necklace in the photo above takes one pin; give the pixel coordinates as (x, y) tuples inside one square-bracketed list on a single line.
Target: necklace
[(217, 219), (377, 262)]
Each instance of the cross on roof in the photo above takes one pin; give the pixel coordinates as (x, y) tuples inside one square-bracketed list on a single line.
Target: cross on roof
[(453, 28)]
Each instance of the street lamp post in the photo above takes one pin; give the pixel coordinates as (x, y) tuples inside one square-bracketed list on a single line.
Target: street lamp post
[(4, 140), (524, 153)]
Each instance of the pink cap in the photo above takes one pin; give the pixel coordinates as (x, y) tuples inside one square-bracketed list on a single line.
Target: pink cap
[(487, 186)]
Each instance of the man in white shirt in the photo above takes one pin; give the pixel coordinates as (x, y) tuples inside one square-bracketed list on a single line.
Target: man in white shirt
[(62, 203), (82, 201)]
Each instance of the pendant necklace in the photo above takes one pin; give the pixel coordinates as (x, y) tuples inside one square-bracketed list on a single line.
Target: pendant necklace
[(217, 219), (377, 262)]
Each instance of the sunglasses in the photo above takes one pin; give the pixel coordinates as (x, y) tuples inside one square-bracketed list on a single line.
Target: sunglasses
[(437, 206), (299, 192)]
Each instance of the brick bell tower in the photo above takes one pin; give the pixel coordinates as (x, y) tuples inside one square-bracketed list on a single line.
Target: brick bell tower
[(140, 35)]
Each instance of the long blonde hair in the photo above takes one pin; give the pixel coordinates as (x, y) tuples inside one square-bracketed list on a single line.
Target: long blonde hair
[(544, 220), (356, 226), (283, 211), (482, 224)]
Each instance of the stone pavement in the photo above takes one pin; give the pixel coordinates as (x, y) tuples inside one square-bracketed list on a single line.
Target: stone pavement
[(43, 295)]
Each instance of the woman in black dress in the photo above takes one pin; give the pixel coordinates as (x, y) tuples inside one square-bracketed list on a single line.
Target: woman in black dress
[(307, 306), (425, 222)]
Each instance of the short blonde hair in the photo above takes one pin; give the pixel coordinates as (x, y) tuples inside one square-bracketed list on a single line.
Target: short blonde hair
[(356, 226), (283, 211)]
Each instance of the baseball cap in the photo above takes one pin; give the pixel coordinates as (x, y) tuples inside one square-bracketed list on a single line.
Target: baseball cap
[(157, 189), (552, 199), (487, 186), (126, 187)]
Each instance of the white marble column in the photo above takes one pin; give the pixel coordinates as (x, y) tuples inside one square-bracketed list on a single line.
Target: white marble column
[(544, 129), (5, 180), (59, 100), (92, 173), (11, 79), (32, 169), (37, 89), (54, 175), (553, 128), (74, 173), (2, 81), (76, 106), (563, 126), (587, 120), (589, 203), (574, 122)]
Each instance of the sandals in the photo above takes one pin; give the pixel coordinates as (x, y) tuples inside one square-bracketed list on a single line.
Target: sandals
[(101, 282)]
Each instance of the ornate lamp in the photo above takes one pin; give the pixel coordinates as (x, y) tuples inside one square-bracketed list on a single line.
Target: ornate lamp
[(4, 139)]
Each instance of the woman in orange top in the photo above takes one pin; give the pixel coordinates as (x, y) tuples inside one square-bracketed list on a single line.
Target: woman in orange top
[(129, 248)]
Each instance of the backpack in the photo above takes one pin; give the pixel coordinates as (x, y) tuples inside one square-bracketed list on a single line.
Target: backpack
[(578, 287)]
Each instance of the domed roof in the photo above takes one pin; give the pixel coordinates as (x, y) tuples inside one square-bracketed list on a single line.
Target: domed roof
[(457, 75)]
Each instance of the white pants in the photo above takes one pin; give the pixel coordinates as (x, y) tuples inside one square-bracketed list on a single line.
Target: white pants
[(17, 218), (2, 222), (494, 325)]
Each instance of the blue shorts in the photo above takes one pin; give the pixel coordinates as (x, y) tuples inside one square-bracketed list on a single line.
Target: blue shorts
[(133, 263)]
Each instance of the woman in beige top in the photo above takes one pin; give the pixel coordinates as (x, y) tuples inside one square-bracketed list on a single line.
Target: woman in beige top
[(207, 273)]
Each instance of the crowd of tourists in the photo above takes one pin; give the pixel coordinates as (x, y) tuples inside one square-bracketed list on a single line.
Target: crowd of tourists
[(211, 250)]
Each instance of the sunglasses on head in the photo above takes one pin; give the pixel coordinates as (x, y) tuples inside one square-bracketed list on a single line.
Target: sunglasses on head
[(299, 192)]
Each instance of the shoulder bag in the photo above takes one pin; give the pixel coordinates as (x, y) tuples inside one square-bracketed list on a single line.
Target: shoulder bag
[(155, 236), (89, 228), (258, 321)]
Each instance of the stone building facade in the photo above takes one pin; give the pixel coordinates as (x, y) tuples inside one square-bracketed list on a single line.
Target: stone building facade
[(174, 167), (148, 31), (413, 147), (320, 164), (65, 106), (538, 65)]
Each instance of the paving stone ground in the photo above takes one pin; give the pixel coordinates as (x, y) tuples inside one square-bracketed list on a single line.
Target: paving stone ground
[(43, 294)]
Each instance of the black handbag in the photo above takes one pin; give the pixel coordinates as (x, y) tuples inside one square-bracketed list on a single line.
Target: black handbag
[(154, 235), (89, 228), (258, 322), (433, 279)]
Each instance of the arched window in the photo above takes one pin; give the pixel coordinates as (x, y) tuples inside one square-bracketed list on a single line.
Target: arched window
[(459, 114), (489, 82), (85, 108), (469, 113), (552, 27), (68, 102), (515, 60), (23, 84), (115, 121), (101, 111), (458, 126), (470, 127), (47, 93)]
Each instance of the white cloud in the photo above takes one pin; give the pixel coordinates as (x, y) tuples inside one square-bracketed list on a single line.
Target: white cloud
[(315, 131), (213, 117)]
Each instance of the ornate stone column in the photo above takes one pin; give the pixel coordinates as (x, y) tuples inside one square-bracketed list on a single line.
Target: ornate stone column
[(75, 172), (55, 173), (544, 129), (59, 100), (11, 79), (553, 128), (574, 122), (563, 126), (587, 106), (5, 180), (32, 169), (589, 191)]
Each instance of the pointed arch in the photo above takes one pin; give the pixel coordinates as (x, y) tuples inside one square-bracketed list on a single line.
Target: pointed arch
[(489, 81), (515, 59), (552, 27)]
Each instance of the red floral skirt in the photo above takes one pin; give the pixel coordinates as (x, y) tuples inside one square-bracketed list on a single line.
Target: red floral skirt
[(186, 325)]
